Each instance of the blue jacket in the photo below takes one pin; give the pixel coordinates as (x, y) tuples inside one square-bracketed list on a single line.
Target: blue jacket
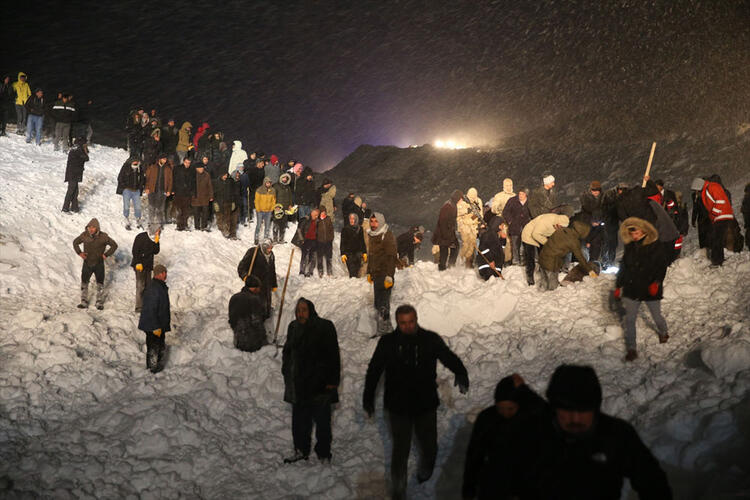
[(155, 313)]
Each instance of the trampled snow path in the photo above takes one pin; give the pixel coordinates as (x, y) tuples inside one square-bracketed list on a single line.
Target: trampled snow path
[(80, 416)]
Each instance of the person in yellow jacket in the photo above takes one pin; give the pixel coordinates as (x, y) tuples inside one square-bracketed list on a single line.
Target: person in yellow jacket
[(23, 92), (265, 200)]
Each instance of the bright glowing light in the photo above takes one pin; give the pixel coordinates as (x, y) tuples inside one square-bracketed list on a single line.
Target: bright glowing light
[(449, 144)]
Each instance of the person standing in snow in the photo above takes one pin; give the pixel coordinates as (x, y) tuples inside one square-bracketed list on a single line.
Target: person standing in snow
[(325, 196), (306, 238), (273, 170), (158, 187), (409, 356), (7, 96), (592, 214), (574, 450), (35, 108), (311, 366), (23, 93), (641, 278), (490, 468), (381, 268), (746, 213), (543, 200), (563, 241), (497, 206), (97, 246), (239, 155), (467, 223), (77, 157), (325, 242), (226, 201), (64, 110), (130, 182), (304, 193), (265, 200), (204, 195), (611, 223), (264, 268), (720, 213), (142, 263), (283, 207), (444, 235), (170, 136), (184, 187), (352, 246), (246, 315), (155, 319), (491, 253), (183, 141), (516, 214)]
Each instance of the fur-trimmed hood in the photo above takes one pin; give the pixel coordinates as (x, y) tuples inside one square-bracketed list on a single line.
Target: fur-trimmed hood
[(651, 233)]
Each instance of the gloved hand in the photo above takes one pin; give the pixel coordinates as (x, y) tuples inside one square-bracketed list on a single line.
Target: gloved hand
[(216, 207), (364, 257), (343, 259), (273, 289), (653, 289), (157, 332), (388, 282), (234, 207), (618, 293), (139, 267), (593, 274), (156, 238), (369, 278), (369, 409), (463, 385)]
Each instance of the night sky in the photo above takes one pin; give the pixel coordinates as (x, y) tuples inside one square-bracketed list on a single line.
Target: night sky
[(314, 80)]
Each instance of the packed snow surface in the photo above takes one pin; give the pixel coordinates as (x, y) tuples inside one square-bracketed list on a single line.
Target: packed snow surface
[(81, 417)]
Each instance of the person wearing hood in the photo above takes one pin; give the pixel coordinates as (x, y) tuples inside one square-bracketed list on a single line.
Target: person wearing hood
[(183, 141), (306, 238), (130, 182), (265, 200), (641, 278), (284, 206), (516, 214), (491, 253), (158, 186), (719, 207), (490, 468), (381, 268), (273, 169), (324, 235), (468, 223), (144, 249), (305, 193), (563, 241), (155, 319), (184, 186), (498, 205), (408, 355), (35, 109), (311, 366), (77, 157), (326, 194), (246, 316), (263, 264), (352, 246), (239, 155), (22, 92), (444, 235), (535, 234), (97, 246), (407, 243), (574, 450)]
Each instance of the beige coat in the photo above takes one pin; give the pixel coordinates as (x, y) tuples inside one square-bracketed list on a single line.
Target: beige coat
[(541, 228), (501, 198)]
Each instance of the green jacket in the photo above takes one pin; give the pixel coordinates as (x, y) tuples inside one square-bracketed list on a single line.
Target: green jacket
[(562, 242)]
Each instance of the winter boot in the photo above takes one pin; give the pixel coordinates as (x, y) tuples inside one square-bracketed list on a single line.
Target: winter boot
[(84, 296), (469, 262), (127, 223), (631, 355), (99, 296), (298, 455), (139, 223)]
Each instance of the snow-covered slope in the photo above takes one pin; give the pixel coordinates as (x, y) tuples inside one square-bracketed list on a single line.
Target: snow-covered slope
[(80, 416)]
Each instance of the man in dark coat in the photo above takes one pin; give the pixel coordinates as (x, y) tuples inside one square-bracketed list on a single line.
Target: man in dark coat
[(445, 232), (611, 223), (563, 241), (699, 215), (543, 200), (143, 252), (352, 246), (77, 156), (574, 450), (246, 315), (306, 238), (516, 214), (283, 206), (170, 135), (305, 193), (264, 268), (97, 246), (155, 319), (381, 268), (226, 203), (7, 96), (409, 357), (641, 278), (311, 365), (348, 206), (491, 254), (407, 243), (64, 111), (184, 188), (490, 466), (36, 108), (130, 182), (592, 214)]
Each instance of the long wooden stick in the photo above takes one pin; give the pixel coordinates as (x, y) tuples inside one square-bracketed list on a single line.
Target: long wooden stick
[(252, 263), (648, 167), (499, 274), (283, 294)]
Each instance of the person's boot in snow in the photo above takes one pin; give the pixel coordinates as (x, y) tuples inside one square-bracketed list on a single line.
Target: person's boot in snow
[(127, 223), (138, 224), (84, 296), (99, 296), (298, 455), (631, 355)]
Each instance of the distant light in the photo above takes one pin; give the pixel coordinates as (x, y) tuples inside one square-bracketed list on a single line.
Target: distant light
[(449, 144)]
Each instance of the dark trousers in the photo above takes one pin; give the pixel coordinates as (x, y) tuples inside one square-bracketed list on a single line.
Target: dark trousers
[(307, 261), (529, 252), (71, 197), (303, 416), (226, 221), (448, 256), (97, 270), (182, 206), (594, 242), (610, 243), (424, 427), (382, 296), (325, 254), (200, 217), (155, 351), (515, 248), (278, 229), (717, 239), (353, 264)]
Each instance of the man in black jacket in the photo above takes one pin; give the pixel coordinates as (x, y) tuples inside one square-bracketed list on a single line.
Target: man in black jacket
[(74, 173), (311, 366), (169, 138), (143, 252), (130, 182), (7, 96), (576, 451), (407, 243), (263, 264), (304, 193), (491, 252), (64, 111), (352, 246), (592, 214), (409, 357), (246, 315), (155, 319), (183, 185), (35, 107), (226, 202)]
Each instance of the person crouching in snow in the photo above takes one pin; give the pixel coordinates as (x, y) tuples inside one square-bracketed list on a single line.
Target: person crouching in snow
[(562, 242), (381, 267), (640, 278), (491, 254), (155, 319), (246, 310), (143, 251), (95, 250)]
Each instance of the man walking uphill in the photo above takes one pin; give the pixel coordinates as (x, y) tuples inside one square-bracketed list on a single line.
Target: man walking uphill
[(155, 318), (409, 358), (381, 267)]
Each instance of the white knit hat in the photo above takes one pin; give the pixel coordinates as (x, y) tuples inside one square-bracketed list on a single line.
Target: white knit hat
[(549, 179)]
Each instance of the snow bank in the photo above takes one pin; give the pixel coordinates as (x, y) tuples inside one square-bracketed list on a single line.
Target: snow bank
[(82, 417)]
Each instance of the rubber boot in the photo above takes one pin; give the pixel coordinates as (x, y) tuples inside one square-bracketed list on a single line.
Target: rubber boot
[(99, 296), (84, 296), (127, 223)]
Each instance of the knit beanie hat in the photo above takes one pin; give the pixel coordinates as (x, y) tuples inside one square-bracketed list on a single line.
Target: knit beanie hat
[(574, 387)]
